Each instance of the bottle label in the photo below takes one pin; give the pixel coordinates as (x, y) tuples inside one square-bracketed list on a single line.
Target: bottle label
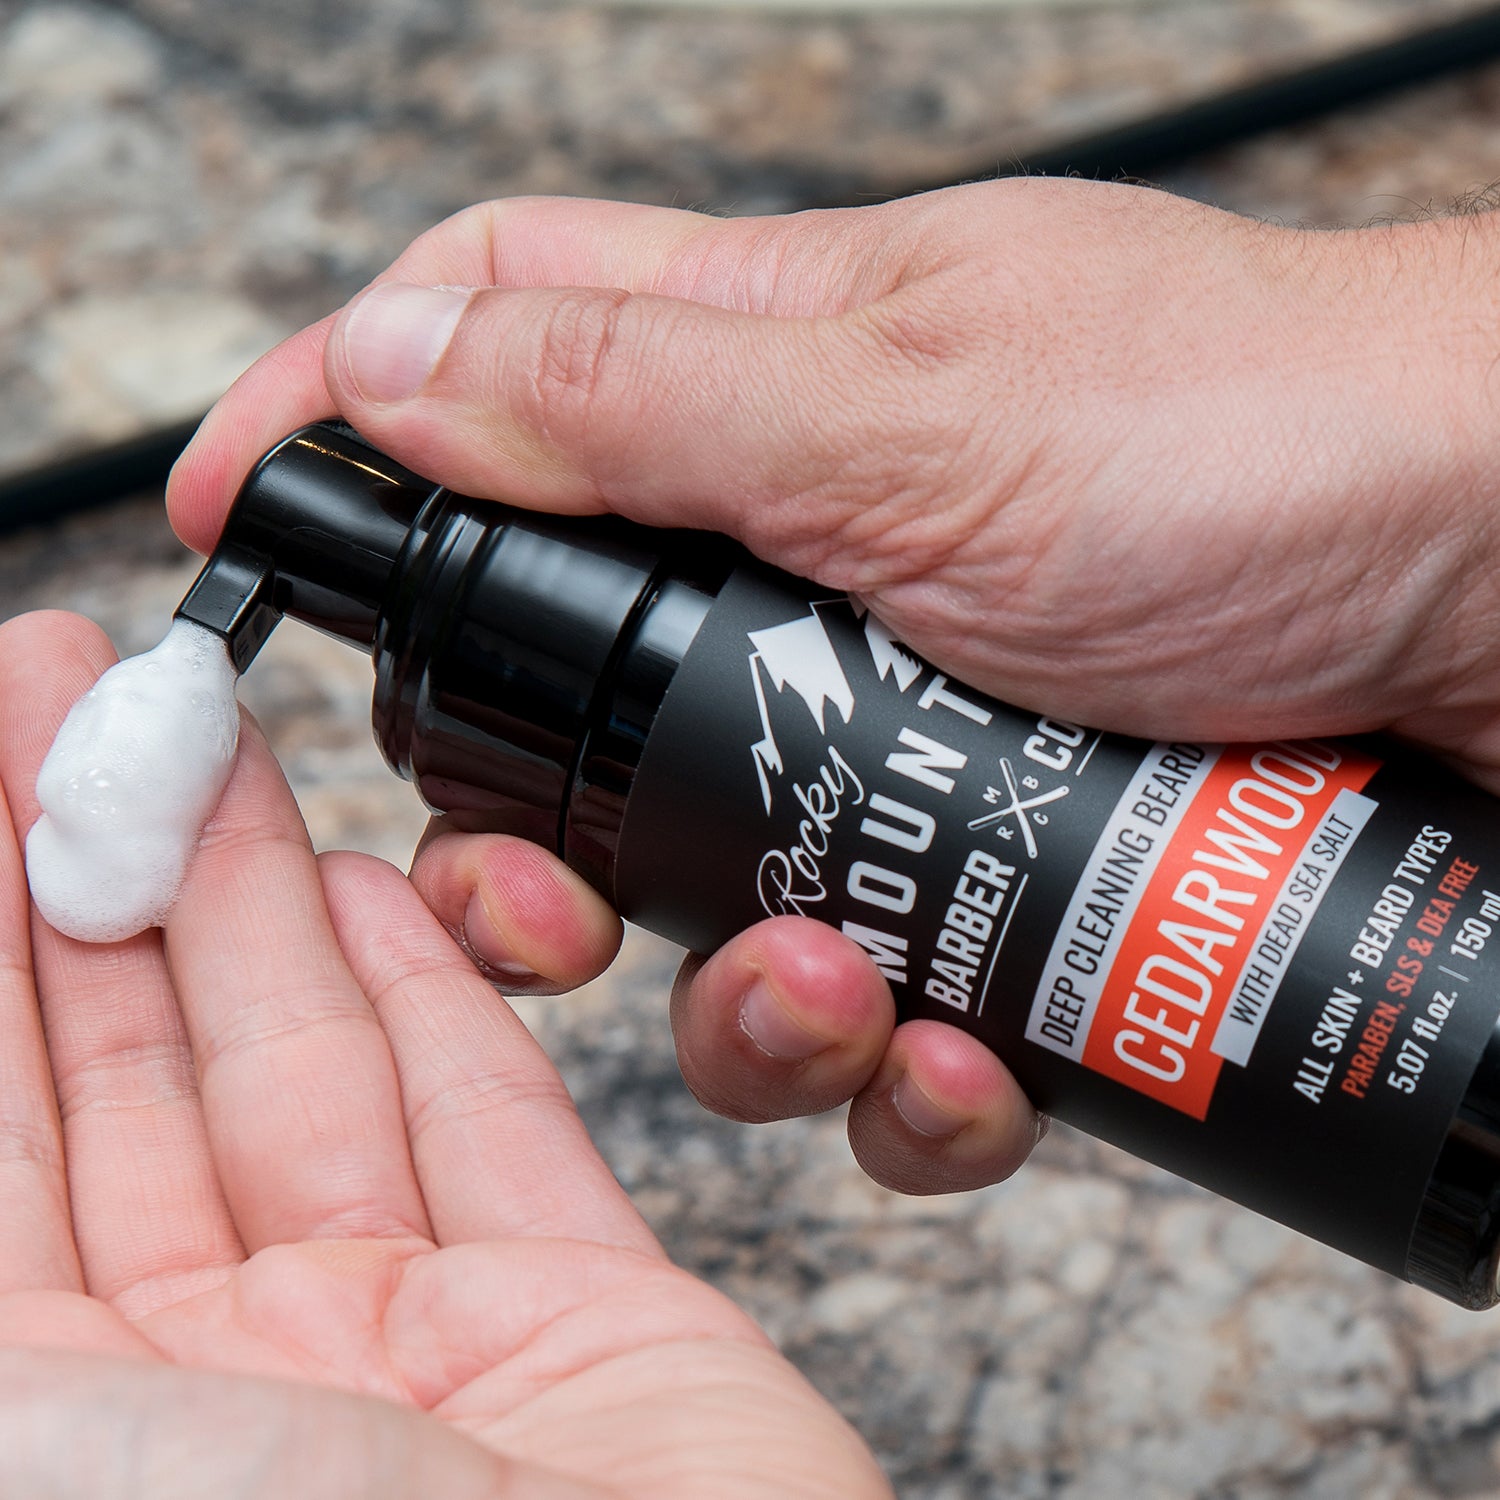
[(1269, 968)]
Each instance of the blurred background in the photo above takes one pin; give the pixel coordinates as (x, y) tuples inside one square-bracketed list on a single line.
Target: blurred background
[(183, 182)]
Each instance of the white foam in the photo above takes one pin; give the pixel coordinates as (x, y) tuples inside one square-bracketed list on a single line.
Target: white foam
[(133, 775)]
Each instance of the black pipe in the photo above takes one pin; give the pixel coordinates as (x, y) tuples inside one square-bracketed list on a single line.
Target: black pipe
[(83, 480), (1145, 146), (1134, 150)]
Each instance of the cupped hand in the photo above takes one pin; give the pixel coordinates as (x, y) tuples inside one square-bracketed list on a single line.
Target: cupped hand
[(292, 1205), (1107, 454)]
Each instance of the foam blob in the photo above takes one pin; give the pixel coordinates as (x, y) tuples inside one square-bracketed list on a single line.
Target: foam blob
[(133, 775)]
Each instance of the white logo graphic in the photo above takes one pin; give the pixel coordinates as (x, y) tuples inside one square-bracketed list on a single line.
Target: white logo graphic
[(1020, 808), (801, 656), (888, 656)]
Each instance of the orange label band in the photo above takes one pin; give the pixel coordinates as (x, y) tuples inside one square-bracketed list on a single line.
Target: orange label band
[(1196, 898)]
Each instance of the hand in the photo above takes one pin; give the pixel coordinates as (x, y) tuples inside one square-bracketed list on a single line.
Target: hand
[(292, 1205), (1107, 454)]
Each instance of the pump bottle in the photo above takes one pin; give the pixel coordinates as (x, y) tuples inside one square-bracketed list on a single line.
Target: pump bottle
[(1272, 969)]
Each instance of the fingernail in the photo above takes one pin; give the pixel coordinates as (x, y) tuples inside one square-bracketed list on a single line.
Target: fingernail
[(765, 1021), (921, 1113), (1042, 1126), (479, 939), (395, 334)]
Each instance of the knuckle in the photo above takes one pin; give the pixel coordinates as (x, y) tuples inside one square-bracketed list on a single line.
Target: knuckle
[(733, 1080), (126, 1075), (725, 1078), (30, 1144), (912, 1174), (742, 1105), (322, 1016), (576, 339), (490, 1094), (579, 384), (888, 1153), (737, 1081)]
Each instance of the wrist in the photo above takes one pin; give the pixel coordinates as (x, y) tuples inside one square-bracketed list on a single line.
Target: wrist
[(1422, 305)]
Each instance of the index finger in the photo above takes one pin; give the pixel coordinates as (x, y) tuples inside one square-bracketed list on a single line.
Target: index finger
[(299, 1088), (799, 265), (525, 242), (111, 1084), (36, 1234)]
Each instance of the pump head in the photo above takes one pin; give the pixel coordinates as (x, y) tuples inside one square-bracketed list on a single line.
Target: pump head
[(315, 532)]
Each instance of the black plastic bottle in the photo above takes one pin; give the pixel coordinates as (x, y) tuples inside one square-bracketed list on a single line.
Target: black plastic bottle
[(1274, 970)]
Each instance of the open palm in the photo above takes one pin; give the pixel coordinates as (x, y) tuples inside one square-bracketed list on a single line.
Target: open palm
[(291, 1204)]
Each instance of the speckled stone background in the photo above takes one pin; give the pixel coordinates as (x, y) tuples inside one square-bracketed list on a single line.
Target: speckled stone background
[(183, 181)]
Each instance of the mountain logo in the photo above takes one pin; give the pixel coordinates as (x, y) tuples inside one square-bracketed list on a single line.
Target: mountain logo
[(799, 657), (889, 656)]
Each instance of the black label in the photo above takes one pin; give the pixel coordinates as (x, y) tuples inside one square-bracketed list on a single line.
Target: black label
[(1267, 968)]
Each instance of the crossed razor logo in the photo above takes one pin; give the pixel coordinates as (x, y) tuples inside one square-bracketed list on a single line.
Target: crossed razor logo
[(1020, 808)]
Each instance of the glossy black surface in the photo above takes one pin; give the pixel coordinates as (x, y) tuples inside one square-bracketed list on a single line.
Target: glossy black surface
[(519, 657), (315, 533), (627, 707), (499, 638), (521, 661)]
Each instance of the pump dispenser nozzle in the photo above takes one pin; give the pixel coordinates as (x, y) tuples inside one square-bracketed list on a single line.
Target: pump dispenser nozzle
[(315, 532)]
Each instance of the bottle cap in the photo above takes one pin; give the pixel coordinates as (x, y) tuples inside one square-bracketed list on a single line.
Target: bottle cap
[(315, 532)]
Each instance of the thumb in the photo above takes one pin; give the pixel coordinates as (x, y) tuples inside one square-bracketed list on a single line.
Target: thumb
[(112, 1429), (782, 431)]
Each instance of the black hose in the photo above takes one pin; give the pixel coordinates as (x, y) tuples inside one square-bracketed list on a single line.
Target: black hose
[(1145, 146), (1135, 150), (94, 477)]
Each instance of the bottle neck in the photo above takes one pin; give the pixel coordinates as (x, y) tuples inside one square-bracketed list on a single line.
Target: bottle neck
[(520, 659)]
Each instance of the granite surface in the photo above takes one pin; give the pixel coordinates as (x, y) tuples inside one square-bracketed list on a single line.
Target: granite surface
[(182, 182)]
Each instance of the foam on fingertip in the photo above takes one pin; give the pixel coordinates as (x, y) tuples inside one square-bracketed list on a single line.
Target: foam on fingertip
[(135, 772)]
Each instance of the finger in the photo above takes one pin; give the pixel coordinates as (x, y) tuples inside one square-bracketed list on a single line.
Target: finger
[(36, 1235), (152, 1224), (784, 432), (523, 242), (797, 265), (280, 392), (800, 266), (147, 1214), (499, 1147), (789, 1018), (299, 1088), (528, 922), (941, 1115), (150, 1221)]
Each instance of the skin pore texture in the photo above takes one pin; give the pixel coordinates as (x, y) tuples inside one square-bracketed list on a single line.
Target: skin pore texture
[(136, 769)]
